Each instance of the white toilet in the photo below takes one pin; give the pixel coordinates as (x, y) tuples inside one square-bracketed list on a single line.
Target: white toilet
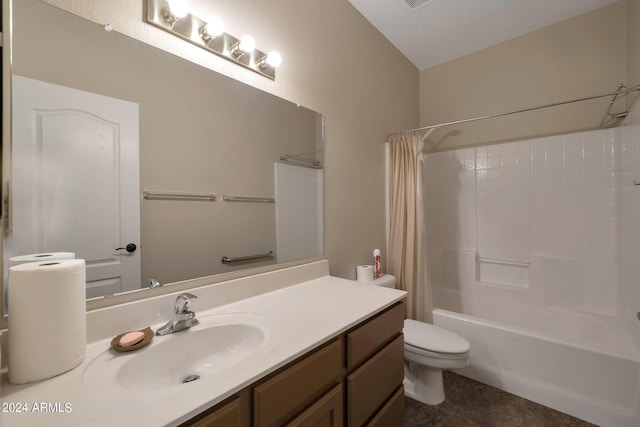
[(428, 350)]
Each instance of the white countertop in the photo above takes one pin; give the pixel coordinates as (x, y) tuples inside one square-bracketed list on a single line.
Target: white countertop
[(305, 315)]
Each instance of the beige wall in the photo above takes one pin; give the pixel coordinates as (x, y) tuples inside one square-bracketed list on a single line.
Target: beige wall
[(576, 58), (334, 62), (633, 46)]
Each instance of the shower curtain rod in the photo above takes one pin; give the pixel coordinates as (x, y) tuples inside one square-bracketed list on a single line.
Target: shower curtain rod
[(524, 110)]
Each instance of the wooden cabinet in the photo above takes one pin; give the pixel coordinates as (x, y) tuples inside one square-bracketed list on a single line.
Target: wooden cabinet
[(232, 412), (326, 412), (375, 360), (279, 398), (374, 334), (392, 414), (371, 385), (227, 416), (354, 380)]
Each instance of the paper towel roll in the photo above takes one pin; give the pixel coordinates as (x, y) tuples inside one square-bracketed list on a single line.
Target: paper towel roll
[(21, 259), (364, 273), (46, 256), (47, 322)]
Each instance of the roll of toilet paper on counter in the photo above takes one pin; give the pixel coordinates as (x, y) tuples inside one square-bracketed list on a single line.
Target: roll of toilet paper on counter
[(45, 256), (364, 273), (47, 320)]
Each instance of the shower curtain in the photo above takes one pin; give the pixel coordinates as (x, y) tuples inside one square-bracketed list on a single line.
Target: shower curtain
[(407, 257)]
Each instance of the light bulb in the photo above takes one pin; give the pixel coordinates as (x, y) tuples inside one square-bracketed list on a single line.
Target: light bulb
[(274, 59), (178, 8), (212, 29), (247, 44), (215, 27)]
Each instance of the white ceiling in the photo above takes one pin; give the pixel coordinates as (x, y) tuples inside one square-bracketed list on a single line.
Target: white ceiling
[(442, 30)]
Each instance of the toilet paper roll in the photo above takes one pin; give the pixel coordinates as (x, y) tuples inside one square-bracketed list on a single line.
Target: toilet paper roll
[(42, 257), (47, 322), (364, 273)]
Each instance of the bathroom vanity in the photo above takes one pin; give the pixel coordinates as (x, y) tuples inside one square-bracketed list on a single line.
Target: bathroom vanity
[(289, 347), (358, 375)]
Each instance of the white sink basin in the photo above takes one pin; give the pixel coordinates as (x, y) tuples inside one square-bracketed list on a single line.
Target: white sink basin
[(220, 342)]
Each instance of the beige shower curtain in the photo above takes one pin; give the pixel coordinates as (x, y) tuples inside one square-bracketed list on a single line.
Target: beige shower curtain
[(407, 259)]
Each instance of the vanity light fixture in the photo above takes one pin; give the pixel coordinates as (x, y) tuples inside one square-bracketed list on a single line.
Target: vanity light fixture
[(174, 17)]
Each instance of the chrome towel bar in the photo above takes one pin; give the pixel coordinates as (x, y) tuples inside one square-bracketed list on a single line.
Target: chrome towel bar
[(315, 164), (167, 195), (227, 260), (231, 198)]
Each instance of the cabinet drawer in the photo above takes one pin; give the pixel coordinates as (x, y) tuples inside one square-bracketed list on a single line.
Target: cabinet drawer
[(373, 335), (369, 386), (392, 413), (326, 412), (278, 399)]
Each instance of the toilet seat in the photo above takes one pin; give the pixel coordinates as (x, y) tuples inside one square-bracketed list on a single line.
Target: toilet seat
[(435, 355), (434, 341)]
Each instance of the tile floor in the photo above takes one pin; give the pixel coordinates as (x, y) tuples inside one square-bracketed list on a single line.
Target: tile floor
[(473, 404)]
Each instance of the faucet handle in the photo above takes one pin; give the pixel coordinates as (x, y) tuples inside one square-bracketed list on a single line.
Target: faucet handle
[(183, 302)]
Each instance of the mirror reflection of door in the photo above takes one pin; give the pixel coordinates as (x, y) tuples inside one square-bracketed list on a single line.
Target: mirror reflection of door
[(79, 150)]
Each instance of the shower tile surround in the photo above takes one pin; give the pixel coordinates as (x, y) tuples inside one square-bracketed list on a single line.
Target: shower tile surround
[(567, 205), (557, 324)]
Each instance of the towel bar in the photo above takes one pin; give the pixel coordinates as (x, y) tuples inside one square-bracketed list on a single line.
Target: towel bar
[(227, 260), (166, 195)]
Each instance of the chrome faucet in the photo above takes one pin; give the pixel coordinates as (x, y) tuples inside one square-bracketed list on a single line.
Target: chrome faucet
[(183, 317)]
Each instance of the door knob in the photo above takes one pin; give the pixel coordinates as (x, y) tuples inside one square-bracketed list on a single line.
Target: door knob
[(131, 247)]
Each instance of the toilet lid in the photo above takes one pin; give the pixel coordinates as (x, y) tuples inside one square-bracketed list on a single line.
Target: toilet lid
[(433, 338)]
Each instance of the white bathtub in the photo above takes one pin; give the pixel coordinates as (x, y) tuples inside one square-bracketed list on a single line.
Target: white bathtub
[(581, 364)]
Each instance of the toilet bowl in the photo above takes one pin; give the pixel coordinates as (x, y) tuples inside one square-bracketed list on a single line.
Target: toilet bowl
[(428, 350)]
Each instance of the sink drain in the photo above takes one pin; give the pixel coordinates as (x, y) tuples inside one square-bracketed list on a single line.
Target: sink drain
[(190, 378)]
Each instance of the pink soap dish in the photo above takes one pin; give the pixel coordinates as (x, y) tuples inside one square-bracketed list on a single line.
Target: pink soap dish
[(132, 341)]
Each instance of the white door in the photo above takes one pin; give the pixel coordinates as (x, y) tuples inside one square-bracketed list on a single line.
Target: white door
[(75, 181)]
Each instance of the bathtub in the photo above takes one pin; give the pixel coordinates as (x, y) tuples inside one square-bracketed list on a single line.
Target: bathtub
[(582, 364)]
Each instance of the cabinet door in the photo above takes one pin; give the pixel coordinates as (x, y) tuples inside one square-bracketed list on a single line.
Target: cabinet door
[(326, 412), (392, 413), (280, 398), (371, 385), (230, 415)]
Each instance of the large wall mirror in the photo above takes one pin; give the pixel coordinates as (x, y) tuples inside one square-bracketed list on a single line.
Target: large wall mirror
[(117, 143)]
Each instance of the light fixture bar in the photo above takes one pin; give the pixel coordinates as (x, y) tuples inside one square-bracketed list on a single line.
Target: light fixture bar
[(190, 28)]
